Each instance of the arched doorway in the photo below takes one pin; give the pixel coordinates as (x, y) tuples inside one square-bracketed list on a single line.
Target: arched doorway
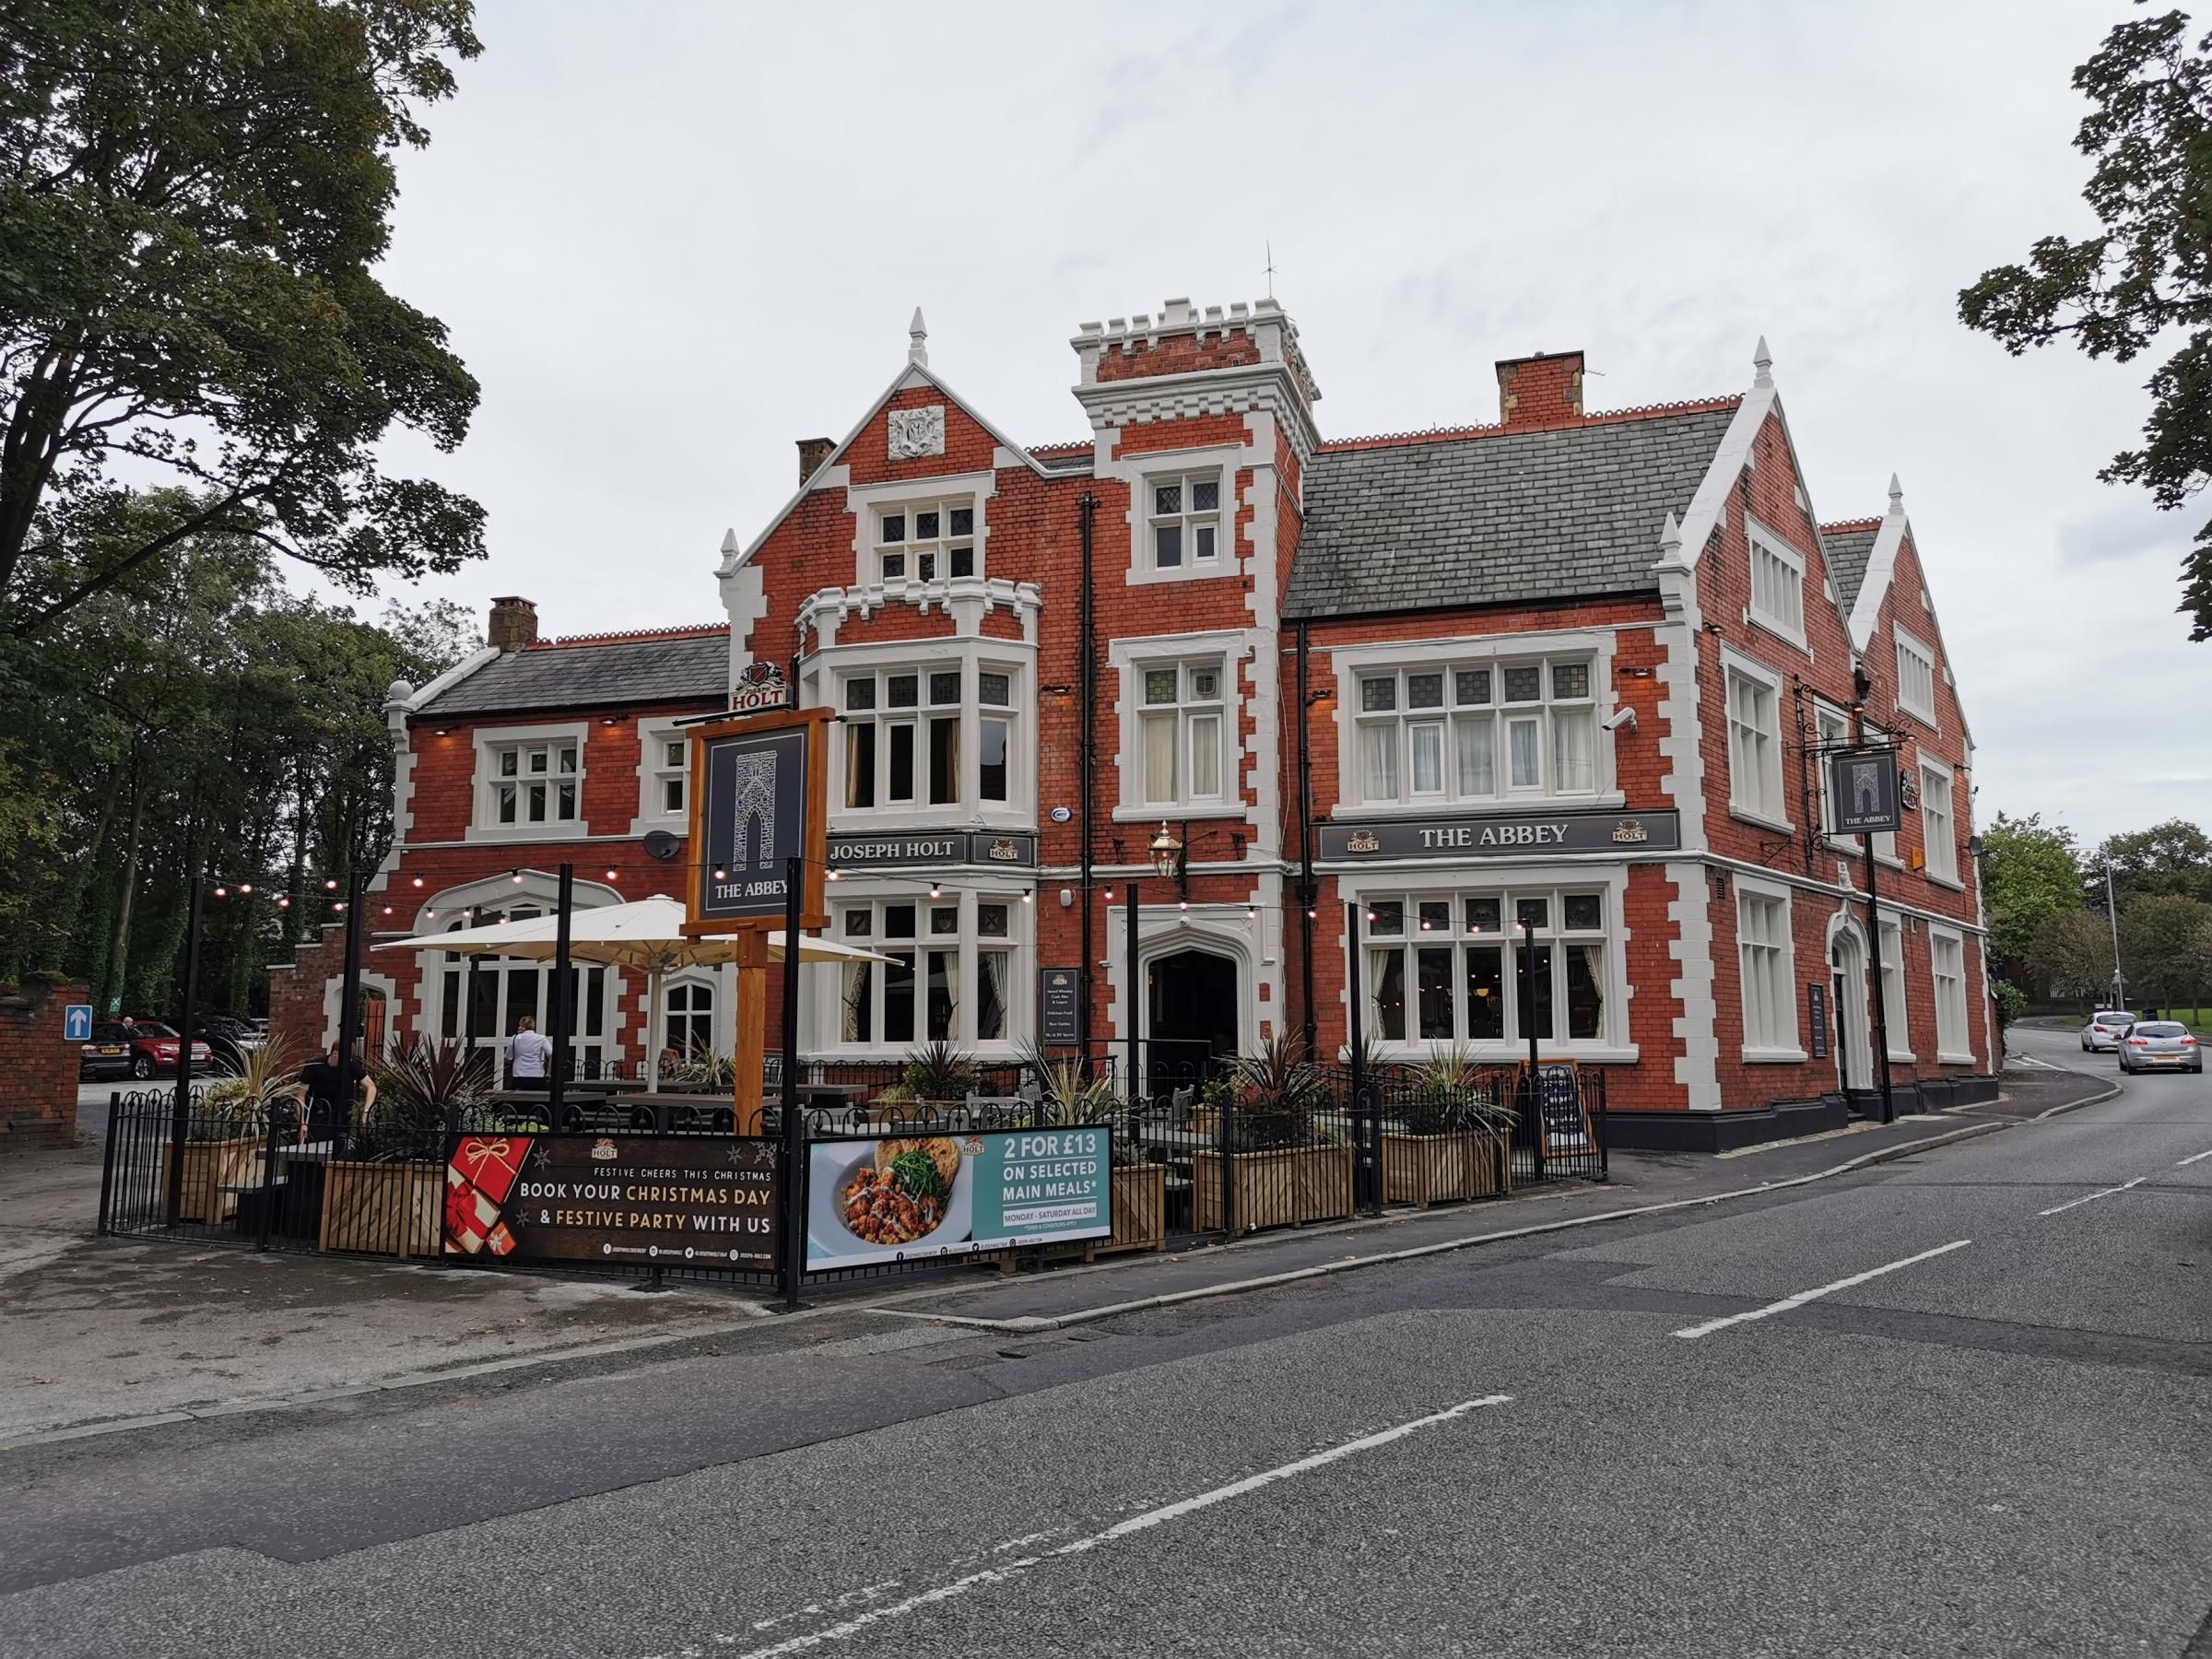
[(1847, 992), (1193, 1015)]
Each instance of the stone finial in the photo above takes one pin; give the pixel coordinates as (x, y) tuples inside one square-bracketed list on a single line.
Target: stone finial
[(917, 337), (1670, 538), (729, 543), (1897, 495), (1762, 364)]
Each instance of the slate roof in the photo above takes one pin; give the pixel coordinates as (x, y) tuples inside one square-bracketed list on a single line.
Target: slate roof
[(1497, 518), (1847, 552), (585, 675)]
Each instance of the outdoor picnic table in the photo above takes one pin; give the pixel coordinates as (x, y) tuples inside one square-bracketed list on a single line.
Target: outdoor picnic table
[(575, 1094)]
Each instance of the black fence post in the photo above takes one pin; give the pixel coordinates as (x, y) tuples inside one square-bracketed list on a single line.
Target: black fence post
[(268, 1182), (1355, 1029), (557, 1086), (181, 1120), (1605, 1152), (1136, 990), (795, 1131), (107, 1159)]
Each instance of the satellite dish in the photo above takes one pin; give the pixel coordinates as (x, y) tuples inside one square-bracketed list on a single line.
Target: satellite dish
[(662, 845)]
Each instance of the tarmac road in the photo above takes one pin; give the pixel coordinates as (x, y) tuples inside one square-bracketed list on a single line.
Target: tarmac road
[(1961, 1403)]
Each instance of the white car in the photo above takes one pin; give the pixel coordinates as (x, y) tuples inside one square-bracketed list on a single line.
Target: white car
[(2108, 1028), (2160, 1045)]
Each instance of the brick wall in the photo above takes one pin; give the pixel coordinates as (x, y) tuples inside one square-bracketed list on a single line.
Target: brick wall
[(38, 1070)]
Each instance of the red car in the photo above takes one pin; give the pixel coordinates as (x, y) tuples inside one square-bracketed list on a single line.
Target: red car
[(154, 1048)]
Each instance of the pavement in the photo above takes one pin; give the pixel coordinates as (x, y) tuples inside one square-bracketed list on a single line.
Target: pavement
[(1956, 1401)]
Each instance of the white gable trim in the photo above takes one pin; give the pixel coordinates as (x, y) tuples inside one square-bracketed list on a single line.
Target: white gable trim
[(1881, 566)]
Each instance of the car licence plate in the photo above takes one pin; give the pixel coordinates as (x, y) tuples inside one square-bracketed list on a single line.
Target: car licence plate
[(109, 1048)]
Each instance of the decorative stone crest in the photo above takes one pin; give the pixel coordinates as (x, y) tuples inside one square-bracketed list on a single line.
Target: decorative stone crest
[(917, 433)]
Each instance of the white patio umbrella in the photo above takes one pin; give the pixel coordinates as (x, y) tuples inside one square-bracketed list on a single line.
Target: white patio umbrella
[(646, 935)]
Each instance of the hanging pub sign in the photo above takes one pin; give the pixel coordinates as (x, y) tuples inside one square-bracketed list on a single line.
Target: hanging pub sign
[(762, 687), (615, 1199), (759, 797), (1863, 788)]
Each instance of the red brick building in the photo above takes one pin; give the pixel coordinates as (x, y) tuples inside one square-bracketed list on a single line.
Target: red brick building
[(1573, 668)]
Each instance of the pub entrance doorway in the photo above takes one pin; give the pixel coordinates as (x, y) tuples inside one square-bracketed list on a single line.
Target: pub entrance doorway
[(1192, 1009)]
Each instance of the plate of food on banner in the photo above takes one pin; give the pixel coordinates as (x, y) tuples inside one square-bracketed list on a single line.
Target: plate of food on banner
[(906, 1195)]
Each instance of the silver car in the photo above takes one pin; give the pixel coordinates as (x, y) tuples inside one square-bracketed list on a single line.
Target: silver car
[(2107, 1028), (2160, 1045)]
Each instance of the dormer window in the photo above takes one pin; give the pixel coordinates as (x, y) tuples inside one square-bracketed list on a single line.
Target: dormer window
[(1186, 521), (926, 541)]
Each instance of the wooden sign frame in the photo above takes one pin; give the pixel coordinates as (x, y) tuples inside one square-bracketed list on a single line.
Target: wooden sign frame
[(814, 849)]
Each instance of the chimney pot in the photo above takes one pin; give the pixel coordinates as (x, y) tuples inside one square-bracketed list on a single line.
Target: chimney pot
[(514, 624), (1545, 390), (813, 452)]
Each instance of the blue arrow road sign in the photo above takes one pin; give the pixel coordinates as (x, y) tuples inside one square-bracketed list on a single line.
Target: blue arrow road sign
[(77, 1022)]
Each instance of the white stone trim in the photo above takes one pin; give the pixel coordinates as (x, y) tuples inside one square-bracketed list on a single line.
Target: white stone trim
[(966, 600), (1230, 560), (1697, 1027), (743, 588), (482, 826), (1881, 569), (864, 502), (651, 734)]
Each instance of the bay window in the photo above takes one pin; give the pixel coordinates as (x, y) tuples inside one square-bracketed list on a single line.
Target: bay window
[(1455, 733), (907, 732), (1448, 968), (950, 977)]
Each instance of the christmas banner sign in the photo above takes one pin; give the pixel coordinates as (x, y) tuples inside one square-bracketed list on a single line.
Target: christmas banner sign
[(651, 1199), (904, 1197)]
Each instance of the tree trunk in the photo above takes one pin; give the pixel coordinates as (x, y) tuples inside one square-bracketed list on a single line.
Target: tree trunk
[(113, 974)]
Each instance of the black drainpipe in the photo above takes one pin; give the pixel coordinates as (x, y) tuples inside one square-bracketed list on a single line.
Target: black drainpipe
[(1086, 683), (1307, 891)]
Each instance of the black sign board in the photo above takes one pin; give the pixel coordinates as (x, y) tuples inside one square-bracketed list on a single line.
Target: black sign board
[(931, 848), (1862, 791), (752, 813), (630, 1199), (1059, 1017), (1560, 1108), (1517, 835), (1816, 1002)]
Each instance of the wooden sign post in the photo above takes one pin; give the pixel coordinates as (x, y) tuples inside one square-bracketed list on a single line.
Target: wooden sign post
[(759, 797)]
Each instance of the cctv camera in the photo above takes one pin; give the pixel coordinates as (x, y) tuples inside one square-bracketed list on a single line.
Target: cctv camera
[(1621, 720)]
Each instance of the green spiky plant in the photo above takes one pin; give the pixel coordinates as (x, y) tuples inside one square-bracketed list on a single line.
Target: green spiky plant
[(939, 1071), (416, 1090), (243, 1104)]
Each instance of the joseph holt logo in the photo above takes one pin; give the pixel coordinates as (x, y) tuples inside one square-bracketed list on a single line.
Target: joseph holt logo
[(762, 685)]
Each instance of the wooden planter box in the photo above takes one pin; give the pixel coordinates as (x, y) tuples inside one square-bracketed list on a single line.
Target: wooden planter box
[(1273, 1189), (1140, 1210), (210, 1165), (1434, 1169), (382, 1208)]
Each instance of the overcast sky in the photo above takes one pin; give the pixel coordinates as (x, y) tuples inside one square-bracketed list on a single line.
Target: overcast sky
[(671, 240)]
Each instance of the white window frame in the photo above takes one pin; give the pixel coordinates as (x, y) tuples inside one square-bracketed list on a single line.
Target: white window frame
[(1188, 520), (1781, 1044), (491, 742), (826, 995), (914, 550), (1911, 644), (1950, 1022), (1397, 724), (1458, 884), (1222, 460), (1832, 726), (1774, 814), (867, 504), (971, 657), (1896, 1017), (654, 737), (1229, 649), (1939, 824), (1763, 543), (1449, 657), (689, 987)]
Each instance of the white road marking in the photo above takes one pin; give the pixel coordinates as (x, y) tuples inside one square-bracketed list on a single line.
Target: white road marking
[(1798, 1300), (2072, 1203), (1123, 1529), (2192, 1157)]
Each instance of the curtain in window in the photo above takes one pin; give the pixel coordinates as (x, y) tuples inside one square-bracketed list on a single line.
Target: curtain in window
[(1521, 738), (1478, 756), (991, 969), (1428, 758), (857, 1023), (1381, 743), (1574, 749), (1585, 991), (1386, 971), (1205, 754), (1159, 757)]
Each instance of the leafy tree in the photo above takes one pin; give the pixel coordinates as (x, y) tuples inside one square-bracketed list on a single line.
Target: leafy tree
[(2072, 953), (2162, 940), (2173, 857), (2030, 871), (2146, 280), (193, 196)]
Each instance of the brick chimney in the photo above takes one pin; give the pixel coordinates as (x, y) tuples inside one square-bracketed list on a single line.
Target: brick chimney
[(813, 452), (1545, 390), (514, 624)]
